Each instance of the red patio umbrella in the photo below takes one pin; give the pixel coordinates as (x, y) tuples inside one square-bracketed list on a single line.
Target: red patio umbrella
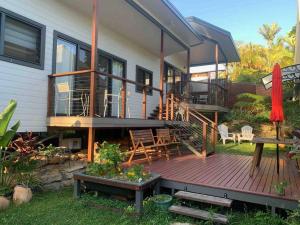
[(277, 102)]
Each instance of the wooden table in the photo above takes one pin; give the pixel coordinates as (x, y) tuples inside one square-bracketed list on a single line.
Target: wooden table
[(259, 142)]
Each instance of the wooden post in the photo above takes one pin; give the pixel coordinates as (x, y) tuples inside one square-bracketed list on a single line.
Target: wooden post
[(123, 94), (167, 107), (217, 72), (172, 106), (209, 89), (50, 96), (94, 50), (188, 62), (215, 130), (144, 111), (204, 139), (226, 87), (187, 113), (161, 81)]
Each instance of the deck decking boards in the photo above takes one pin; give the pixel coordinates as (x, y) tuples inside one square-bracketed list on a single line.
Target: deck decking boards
[(231, 172)]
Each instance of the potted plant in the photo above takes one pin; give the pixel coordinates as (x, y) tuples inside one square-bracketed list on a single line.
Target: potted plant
[(163, 201), (280, 188)]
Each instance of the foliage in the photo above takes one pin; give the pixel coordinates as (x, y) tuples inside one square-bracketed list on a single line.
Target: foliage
[(280, 187), (49, 151), (109, 165), (16, 157), (25, 144), (110, 155), (137, 173), (294, 217), (251, 108), (258, 60), (90, 210), (7, 135), (269, 32)]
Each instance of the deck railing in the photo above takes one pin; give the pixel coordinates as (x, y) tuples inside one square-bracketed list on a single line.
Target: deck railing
[(214, 92), (69, 95), (195, 129)]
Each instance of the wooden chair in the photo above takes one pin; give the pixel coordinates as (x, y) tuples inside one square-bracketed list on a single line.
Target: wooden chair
[(143, 142), (246, 134), (164, 135)]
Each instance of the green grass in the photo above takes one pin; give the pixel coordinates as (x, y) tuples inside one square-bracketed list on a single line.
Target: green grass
[(247, 149), (59, 208)]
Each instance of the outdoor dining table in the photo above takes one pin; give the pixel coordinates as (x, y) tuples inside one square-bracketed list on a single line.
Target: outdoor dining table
[(259, 142)]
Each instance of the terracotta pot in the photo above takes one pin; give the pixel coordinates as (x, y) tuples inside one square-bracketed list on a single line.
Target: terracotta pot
[(22, 195), (4, 203)]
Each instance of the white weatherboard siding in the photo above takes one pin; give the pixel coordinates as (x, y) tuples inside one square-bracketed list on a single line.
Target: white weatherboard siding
[(29, 86)]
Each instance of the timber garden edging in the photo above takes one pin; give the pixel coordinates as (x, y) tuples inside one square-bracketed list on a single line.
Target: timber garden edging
[(97, 184)]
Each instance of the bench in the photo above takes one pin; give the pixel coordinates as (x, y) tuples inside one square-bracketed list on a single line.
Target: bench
[(165, 136), (143, 142)]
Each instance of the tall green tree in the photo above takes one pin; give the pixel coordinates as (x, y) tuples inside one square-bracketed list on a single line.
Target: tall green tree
[(258, 60), (269, 32)]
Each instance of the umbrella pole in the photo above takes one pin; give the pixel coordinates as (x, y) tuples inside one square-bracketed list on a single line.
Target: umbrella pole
[(277, 147)]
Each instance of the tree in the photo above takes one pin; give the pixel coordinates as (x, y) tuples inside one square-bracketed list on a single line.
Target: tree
[(269, 32), (258, 60)]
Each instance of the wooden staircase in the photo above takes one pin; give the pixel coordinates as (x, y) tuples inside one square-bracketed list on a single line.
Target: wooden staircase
[(194, 130), (198, 213)]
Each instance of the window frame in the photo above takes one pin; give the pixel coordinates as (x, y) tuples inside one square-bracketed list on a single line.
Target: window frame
[(150, 91), (82, 45), (42, 28)]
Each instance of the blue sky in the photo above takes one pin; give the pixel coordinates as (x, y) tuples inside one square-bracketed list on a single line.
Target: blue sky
[(242, 17)]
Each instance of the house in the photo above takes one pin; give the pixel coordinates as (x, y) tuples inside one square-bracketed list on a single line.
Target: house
[(89, 65)]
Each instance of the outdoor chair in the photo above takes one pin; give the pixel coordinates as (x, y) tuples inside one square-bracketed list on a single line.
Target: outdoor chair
[(144, 142), (65, 95), (246, 134), (164, 135), (223, 131), (113, 100)]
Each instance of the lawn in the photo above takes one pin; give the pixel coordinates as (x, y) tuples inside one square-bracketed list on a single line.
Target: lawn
[(247, 149), (60, 208)]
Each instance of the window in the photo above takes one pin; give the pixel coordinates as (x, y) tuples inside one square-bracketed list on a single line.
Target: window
[(173, 79), (22, 41), (145, 77)]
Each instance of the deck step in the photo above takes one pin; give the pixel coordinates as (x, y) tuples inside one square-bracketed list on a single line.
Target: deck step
[(199, 214), (204, 198)]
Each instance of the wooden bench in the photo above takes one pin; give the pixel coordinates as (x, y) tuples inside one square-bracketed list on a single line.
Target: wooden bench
[(165, 136), (143, 142)]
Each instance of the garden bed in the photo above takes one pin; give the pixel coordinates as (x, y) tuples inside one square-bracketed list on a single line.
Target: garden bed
[(114, 185)]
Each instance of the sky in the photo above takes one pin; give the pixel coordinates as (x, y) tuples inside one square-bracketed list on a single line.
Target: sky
[(242, 17)]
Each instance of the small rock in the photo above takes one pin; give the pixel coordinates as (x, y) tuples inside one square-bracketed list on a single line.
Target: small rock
[(67, 183), (51, 176), (4, 203), (22, 195), (53, 186)]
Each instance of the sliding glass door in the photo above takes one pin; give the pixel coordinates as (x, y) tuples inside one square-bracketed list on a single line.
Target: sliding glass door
[(65, 62)]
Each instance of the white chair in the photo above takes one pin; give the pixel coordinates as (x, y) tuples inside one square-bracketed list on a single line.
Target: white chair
[(111, 99), (64, 94), (246, 134), (180, 112), (223, 130)]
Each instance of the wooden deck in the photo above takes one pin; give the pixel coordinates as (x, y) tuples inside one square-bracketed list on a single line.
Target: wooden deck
[(226, 175)]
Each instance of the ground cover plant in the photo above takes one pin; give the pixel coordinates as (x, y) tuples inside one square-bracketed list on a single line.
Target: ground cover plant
[(59, 208)]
